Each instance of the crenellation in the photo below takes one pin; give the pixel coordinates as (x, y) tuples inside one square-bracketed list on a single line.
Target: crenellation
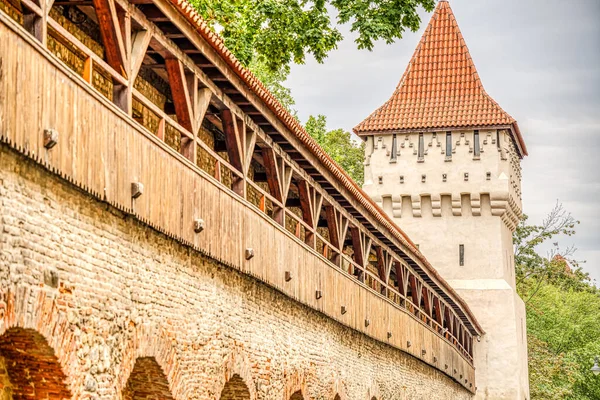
[(425, 205)]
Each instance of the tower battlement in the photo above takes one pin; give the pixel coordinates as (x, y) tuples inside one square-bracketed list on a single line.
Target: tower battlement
[(448, 176)]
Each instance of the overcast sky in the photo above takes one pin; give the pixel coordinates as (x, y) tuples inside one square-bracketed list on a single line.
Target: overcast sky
[(539, 59)]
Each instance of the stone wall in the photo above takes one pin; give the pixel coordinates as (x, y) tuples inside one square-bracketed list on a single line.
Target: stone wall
[(111, 297)]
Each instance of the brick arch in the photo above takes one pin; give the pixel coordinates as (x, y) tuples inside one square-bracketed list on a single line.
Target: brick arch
[(295, 388), (338, 390), (42, 320), (29, 368), (235, 371), (235, 389), (297, 396), (151, 349), (147, 381), (373, 392)]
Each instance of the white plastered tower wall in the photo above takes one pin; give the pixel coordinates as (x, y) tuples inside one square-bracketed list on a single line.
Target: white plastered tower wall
[(469, 198)]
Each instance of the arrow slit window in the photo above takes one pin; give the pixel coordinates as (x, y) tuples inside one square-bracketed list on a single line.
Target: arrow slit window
[(476, 148), (421, 147)]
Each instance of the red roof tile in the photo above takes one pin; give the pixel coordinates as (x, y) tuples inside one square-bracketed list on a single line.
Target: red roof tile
[(440, 87)]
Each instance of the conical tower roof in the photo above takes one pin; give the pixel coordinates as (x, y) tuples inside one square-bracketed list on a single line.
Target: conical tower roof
[(440, 88)]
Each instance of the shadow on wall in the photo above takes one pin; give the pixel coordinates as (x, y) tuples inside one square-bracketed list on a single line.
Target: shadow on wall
[(29, 368)]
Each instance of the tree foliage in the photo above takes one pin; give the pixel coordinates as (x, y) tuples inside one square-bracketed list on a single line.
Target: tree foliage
[(285, 31), (563, 311), (340, 146)]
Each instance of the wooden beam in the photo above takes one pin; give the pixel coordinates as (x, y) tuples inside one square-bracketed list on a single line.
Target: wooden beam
[(337, 224), (428, 300), (180, 92), (273, 180), (440, 308), (203, 98), (112, 37), (201, 101), (179, 85), (384, 264), (311, 202), (402, 275), (139, 44), (234, 148), (332, 226), (415, 290), (361, 243)]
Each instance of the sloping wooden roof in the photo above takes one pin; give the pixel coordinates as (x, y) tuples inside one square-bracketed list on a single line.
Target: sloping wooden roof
[(440, 88), (294, 126)]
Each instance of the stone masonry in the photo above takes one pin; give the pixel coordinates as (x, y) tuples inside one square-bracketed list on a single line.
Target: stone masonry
[(125, 312)]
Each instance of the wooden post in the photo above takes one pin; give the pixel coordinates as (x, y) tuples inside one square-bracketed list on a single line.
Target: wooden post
[(111, 33), (88, 69)]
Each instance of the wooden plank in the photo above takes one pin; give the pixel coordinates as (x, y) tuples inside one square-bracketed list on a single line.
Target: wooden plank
[(139, 44), (179, 91), (88, 69), (178, 82), (273, 181), (112, 37), (234, 147)]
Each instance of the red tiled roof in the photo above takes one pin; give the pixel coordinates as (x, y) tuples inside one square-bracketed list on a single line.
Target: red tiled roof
[(291, 123), (440, 87)]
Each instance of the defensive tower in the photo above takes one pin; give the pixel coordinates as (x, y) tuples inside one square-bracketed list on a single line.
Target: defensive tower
[(443, 159)]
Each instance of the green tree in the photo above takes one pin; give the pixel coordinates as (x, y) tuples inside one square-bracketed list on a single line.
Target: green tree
[(563, 311), (558, 266), (285, 31), (274, 81), (340, 146)]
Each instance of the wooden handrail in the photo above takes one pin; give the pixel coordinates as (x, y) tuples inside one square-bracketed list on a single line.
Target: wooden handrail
[(69, 39)]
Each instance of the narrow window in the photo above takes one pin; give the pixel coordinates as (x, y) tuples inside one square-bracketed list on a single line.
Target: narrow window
[(421, 146), (476, 149), (461, 254), (448, 145), (498, 138), (394, 149)]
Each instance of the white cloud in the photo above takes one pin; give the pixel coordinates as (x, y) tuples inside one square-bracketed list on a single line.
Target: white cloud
[(539, 60)]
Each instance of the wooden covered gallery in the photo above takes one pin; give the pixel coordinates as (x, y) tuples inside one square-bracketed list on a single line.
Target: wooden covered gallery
[(140, 104)]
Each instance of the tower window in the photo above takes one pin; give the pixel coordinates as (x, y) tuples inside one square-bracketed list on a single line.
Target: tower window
[(476, 148), (394, 149), (498, 138), (461, 254), (421, 146), (448, 145)]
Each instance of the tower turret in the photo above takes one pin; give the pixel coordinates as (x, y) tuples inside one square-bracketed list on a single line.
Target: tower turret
[(443, 159)]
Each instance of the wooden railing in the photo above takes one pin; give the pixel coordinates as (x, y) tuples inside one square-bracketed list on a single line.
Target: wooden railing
[(451, 331)]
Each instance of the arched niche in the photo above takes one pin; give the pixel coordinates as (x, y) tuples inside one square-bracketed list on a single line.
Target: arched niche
[(147, 381), (29, 368), (297, 396), (235, 389)]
